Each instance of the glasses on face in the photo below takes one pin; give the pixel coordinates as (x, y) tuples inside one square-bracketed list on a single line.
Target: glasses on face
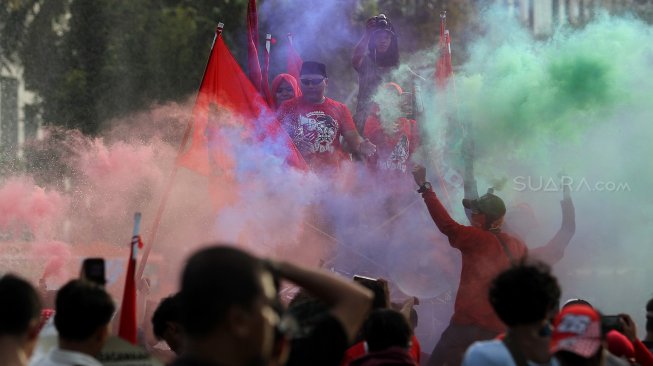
[(285, 90), (308, 82)]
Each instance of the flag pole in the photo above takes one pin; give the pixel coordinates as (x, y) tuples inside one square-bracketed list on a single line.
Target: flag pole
[(442, 42), (149, 243)]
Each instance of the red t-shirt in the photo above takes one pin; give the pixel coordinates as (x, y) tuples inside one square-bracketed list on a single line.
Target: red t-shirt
[(392, 150), (360, 349), (483, 258), (316, 129)]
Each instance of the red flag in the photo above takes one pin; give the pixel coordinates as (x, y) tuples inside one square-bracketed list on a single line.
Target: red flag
[(265, 83), (443, 67), (127, 329), (294, 61), (226, 89), (252, 45)]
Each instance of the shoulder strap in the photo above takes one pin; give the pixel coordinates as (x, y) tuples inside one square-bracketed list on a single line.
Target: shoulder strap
[(511, 258), (515, 353)]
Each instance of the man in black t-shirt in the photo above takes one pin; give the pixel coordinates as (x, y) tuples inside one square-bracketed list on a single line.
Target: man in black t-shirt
[(230, 310)]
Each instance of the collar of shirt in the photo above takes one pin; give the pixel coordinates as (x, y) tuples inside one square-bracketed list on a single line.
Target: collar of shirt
[(59, 355)]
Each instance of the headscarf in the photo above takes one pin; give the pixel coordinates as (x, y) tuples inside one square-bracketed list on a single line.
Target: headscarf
[(277, 81)]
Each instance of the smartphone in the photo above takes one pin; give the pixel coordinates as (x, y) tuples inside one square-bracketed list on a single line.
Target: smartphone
[(611, 322), (379, 288), (93, 270)]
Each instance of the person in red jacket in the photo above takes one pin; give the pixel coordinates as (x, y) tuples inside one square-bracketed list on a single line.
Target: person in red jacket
[(486, 252)]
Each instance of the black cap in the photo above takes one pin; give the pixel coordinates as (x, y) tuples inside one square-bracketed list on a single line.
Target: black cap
[(488, 204), (313, 67)]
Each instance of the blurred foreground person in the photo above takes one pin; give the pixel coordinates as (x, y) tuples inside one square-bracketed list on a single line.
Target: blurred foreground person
[(166, 323), (230, 311), (578, 339), (83, 312), (525, 297), (20, 310), (388, 338)]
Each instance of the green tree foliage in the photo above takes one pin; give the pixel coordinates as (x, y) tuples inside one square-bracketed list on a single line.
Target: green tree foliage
[(91, 61)]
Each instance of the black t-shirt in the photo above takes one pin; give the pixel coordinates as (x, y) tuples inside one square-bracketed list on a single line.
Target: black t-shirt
[(324, 345)]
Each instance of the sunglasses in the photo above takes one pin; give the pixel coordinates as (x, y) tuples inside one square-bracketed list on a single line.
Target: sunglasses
[(307, 82)]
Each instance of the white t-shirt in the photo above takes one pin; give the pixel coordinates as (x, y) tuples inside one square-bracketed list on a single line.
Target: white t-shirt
[(494, 353), (59, 357)]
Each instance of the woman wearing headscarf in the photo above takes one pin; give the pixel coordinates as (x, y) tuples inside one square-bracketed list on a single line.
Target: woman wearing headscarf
[(284, 87)]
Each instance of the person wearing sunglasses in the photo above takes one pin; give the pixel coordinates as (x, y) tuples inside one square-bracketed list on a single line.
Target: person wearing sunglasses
[(316, 123)]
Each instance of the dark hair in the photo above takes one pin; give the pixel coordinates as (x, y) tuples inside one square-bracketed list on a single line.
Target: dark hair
[(19, 305), (169, 310), (82, 307), (389, 58), (213, 280), (576, 302), (569, 358), (524, 293), (386, 328), (649, 316)]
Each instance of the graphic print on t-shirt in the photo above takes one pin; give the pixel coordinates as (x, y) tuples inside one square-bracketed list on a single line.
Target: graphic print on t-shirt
[(316, 132), (398, 157)]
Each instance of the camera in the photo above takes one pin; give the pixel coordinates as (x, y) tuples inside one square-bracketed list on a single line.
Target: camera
[(379, 21), (611, 322)]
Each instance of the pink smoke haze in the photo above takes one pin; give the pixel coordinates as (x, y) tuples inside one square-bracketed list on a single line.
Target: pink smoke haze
[(26, 207), (57, 255)]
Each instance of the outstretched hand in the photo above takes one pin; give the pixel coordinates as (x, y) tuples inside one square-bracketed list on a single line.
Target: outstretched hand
[(419, 173), (629, 327), (367, 148)]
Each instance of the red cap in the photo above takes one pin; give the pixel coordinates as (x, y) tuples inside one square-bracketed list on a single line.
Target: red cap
[(577, 329)]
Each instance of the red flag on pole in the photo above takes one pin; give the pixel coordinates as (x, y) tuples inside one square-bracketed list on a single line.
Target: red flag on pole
[(254, 66), (127, 329), (225, 88), (443, 67), (443, 71), (266, 70), (294, 61)]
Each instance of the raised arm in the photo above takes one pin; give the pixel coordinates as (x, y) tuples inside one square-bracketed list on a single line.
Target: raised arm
[(348, 302), (554, 250), (469, 183), (360, 51), (447, 225)]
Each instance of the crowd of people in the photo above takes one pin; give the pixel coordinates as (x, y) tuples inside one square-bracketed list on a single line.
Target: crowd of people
[(228, 310)]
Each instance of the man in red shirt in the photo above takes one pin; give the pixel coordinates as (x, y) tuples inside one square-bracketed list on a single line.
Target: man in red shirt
[(486, 252), (316, 123)]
